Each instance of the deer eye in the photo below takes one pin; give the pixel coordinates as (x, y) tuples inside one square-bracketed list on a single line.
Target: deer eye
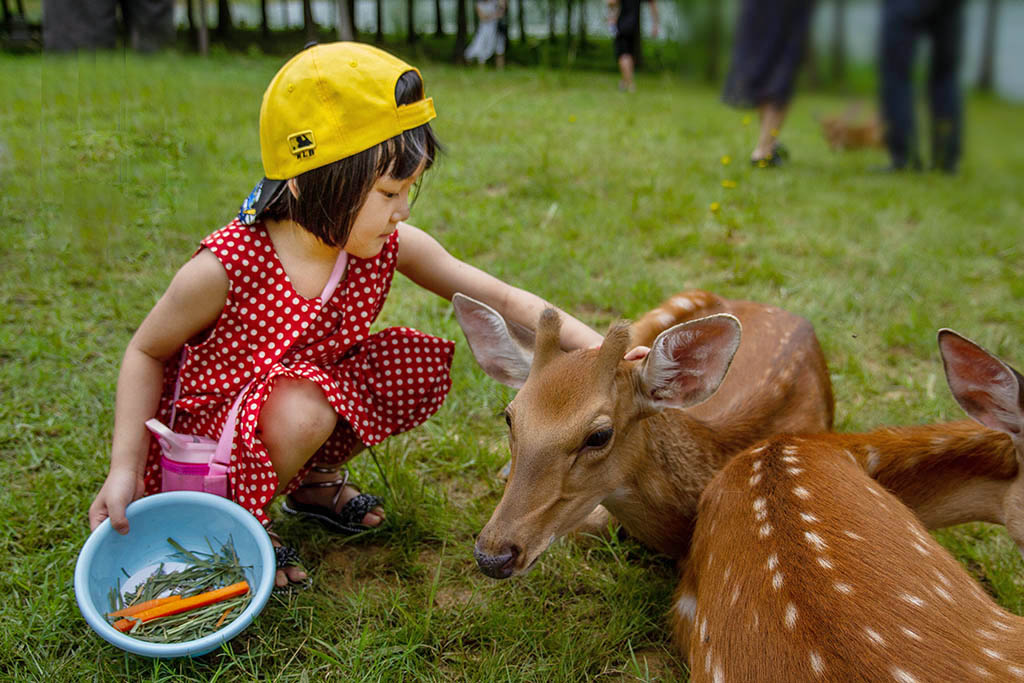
[(508, 419), (599, 439)]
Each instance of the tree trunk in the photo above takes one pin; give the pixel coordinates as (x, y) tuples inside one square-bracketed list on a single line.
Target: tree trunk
[(346, 31), (410, 21), (987, 72), (204, 32), (264, 24), (461, 31), (839, 42), (551, 20), (223, 19), (522, 22), (582, 31), (378, 7), (188, 15), (438, 20), (713, 69), (568, 26), (307, 20)]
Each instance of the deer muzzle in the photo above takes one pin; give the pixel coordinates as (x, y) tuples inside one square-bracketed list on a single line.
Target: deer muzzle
[(499, 566)]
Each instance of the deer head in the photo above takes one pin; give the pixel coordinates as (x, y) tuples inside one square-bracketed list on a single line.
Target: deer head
[(573, 426)]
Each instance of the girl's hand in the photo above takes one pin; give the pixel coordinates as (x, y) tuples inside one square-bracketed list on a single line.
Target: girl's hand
[(120, 488), (637, 353)]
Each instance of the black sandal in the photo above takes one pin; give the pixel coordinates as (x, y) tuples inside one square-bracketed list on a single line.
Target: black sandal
[(286, 556), (347, 520), (778, 157)]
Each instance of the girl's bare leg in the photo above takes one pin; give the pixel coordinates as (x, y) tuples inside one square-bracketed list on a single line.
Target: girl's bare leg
[(294, 423)]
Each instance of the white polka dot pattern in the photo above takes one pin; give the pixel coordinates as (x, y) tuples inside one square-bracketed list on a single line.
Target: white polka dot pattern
[(381, 384)]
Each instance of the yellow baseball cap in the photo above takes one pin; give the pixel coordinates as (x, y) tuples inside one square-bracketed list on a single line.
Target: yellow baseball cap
[(327, 103)]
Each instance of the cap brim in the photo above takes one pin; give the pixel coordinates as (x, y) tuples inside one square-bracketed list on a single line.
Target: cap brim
[(271, 190)]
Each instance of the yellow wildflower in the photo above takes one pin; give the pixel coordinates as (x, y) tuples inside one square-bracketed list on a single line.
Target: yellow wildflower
[(729, 183), (726, 159)]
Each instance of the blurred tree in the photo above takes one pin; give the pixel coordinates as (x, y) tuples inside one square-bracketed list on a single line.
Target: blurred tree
[(461, 31), (713, 69), (987, 72), (264, 24), (379, 10), (438, 20), (346, 28), (522, 21), (410, 22), (552, 8), (839, 42), (224, 24), (307, 19)]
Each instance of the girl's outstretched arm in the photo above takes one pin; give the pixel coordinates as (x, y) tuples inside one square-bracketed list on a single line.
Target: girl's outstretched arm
[(191, 304), (423, 260)]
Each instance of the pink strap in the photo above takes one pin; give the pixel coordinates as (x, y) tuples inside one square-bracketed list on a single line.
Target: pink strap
[(222, 455)]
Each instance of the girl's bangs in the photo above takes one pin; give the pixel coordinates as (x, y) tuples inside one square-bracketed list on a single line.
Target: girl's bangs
[(403, 154)]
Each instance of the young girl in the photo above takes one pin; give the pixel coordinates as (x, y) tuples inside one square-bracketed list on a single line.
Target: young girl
[(344, 137)]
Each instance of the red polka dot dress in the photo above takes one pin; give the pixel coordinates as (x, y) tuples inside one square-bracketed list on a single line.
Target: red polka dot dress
[(380, 384)]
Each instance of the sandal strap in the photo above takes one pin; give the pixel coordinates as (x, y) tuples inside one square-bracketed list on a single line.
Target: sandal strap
[(286, 556), (340, 483)]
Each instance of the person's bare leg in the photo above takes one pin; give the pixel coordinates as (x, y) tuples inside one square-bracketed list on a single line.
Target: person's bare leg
[(772, 118), (294, 422), (626, 69)]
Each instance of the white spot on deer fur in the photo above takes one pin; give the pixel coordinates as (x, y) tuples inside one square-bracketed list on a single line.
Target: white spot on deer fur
[(761, 515), (686, 607), (943, 578), (754, 451), (849, 455), (988, 635), (710, 557), (759, 504), (765, 531), (777, 580), (1015, 670), (719, 677), (943, 593), (755, 479), (1002, 626), (902, 676), (773, 561), (703, 629), (939, 441), (808, 517), (728, 572), (794, 470), (874, 492), (874, 636), (872, 463), (817, 664), (921, 549), (909, 633), (854, 536), (790, 450), (735, 596), (843, 588), (801, 492), (707, 662), (991, 653), (756, 465), (912, 599), (683, 302), (815, 540), (982, 671), (790, 619), (825, 562), (790, 460), (665, 318)]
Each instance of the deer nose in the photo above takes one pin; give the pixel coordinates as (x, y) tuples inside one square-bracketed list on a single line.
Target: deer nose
[(497, 566)]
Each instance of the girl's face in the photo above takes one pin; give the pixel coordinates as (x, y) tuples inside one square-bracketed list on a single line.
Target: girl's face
[(385, 206)]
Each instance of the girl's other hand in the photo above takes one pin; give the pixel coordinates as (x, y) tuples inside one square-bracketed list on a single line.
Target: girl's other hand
[(120, 488), (637, 353)]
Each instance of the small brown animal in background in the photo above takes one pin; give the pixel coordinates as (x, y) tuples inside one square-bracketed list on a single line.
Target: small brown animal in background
[(851, 130), (804, 568)]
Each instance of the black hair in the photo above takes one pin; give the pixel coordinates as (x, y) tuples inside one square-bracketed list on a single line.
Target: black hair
[(331, 196)]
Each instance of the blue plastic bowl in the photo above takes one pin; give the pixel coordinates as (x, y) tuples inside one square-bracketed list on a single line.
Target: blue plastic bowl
[(190, 518)]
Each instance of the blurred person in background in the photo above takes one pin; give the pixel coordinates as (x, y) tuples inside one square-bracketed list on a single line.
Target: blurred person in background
[(628, 34), (490, 39), (770, 42), (70, 25), (904, 22)]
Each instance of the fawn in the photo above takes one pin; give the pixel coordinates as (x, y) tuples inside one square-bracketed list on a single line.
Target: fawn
[(803, 567), (588, 427)]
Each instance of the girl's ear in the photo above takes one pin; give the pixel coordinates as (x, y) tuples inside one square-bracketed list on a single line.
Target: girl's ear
[(293, 187)]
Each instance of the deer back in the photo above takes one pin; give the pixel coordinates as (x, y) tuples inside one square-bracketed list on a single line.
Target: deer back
[(805, 568)]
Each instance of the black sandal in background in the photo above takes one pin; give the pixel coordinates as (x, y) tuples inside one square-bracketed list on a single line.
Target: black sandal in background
[(347, 520), (778, 157)]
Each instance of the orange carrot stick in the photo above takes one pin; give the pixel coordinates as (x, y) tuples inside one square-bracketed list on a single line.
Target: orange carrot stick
[(223, 617), (143, 606), (183, 605)]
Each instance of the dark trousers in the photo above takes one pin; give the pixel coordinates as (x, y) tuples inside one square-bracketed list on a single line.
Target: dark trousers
[(904, 22)]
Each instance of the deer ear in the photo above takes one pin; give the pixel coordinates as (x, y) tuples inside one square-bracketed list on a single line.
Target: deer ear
[(688, 362), (988, 390), (503, 350)]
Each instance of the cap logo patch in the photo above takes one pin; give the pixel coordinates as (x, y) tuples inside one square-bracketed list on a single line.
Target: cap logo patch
[(302, 145)]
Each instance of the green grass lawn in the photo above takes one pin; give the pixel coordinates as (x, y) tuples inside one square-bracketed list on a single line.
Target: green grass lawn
[(113, 167)]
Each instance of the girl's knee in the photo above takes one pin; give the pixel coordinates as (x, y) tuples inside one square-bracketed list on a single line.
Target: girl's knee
[(297, 411)]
